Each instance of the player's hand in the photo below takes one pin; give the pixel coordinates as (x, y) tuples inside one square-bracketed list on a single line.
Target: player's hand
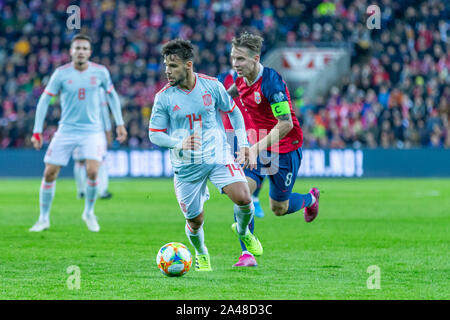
[(242, 156), (121, 133), (37, 140), (192, 142), (250, 157)]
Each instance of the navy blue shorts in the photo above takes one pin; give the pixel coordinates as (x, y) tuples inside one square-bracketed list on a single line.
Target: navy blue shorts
[(281, 169)]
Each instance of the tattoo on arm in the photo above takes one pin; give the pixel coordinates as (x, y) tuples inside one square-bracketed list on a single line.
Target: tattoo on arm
[(285, 117)]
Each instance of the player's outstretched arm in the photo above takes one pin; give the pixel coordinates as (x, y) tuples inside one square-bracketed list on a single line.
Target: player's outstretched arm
[(281, 129), (162, 139)]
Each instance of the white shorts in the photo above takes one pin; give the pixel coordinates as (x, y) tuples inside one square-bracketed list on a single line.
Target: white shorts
[(191, 196), (77, 156), (89, 147)]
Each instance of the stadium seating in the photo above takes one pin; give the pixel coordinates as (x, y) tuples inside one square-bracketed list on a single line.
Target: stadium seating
[(397, 95)]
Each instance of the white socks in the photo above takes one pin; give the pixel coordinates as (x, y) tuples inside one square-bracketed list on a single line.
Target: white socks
[(46, 195), (103, 180), (313, 199), (196, 238), (244, 215), (91, 195), (79, 173)]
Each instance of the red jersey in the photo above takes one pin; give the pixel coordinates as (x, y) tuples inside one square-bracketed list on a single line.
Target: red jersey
[(227, 79), (269, 89)]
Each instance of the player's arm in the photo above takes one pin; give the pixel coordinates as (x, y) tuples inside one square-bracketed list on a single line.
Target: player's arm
[(274, 89), (233, 91), (157, 133), (106, 120), (114, 105), (227, 104), (278, 132), (50, 91), (238, 124)]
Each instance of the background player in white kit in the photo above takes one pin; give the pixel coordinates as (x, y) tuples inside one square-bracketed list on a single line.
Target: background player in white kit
[(185, 118), (79, 167), (80, 126)]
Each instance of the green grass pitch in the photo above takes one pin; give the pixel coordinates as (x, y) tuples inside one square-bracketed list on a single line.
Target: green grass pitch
[(402, 226)]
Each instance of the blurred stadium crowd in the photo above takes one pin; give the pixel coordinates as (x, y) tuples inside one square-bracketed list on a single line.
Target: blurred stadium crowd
[(397, 94)]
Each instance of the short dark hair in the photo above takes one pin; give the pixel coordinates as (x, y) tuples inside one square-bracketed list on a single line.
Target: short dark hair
[(179, 47), (81, 37), (250, 41)]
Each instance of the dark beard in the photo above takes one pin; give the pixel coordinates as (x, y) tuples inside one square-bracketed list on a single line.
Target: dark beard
[(179, 81)]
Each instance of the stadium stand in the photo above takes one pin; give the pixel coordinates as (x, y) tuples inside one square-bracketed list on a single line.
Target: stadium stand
[(396, 96)]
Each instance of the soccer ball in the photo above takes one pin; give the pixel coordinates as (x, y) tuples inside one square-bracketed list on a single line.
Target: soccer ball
[(174, 259)]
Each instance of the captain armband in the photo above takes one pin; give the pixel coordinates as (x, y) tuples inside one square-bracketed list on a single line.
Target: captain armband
[(280, 108)]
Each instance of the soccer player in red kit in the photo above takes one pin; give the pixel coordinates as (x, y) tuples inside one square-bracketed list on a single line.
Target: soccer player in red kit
[(278, 153), (246, 259), (227, 78)]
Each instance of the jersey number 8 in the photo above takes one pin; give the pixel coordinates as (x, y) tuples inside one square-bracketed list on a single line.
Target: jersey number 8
[(81, 94)]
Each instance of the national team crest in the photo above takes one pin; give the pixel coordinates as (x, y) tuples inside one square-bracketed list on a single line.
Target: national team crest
[(257, 97), (207, 100), (93, 80)]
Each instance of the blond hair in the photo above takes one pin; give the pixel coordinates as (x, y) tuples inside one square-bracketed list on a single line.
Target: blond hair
[(250, 41)]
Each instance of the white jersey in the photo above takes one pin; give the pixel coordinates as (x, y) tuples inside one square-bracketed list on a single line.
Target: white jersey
[(180, 113), (80, 98)]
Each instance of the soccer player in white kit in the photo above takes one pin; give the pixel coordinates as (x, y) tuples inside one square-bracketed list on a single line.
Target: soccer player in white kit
[(186, 118), (80, 126)]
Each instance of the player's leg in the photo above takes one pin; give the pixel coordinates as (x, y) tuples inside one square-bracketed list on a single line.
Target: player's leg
[(282, 200), (191, 197), (103, 182), (259, 212), (244, 211), (230, 179), (92, 149), (57, 155), (246, 259), (79, 173), (91, 195), (46, 196)]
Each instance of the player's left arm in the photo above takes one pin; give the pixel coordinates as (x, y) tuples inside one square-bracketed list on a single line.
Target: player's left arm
[(106, 120), (233, 91), (227, 105), (274, 89), (114, 105)]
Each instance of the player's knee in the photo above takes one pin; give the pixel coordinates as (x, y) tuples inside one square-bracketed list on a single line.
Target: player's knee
[(243, 199), (278, 210), (92, 173), (50, 175), (195, 223)]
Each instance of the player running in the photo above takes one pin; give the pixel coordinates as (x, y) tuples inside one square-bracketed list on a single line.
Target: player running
[(185, 118), (80, 126), (227, 79), (278, 152), (246, 259)]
